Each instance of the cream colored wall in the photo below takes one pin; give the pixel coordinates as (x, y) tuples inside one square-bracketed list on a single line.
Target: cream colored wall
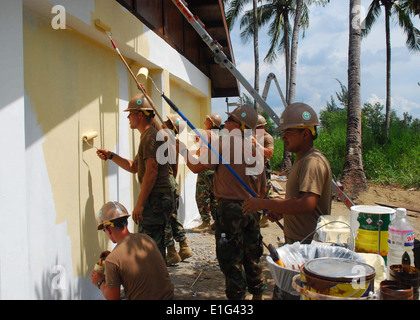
[(75, 83)]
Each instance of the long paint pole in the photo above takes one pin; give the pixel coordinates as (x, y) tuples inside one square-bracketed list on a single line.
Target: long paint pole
[(135, 78)]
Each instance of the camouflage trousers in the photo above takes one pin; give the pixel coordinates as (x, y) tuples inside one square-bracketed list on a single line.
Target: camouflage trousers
[(157, 210), (204, 196), (239, 256), (174, 230)]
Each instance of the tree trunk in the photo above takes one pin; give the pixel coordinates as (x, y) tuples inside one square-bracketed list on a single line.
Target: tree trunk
[(287, 156), (354, 179), (256, 53), (287, 55), (388, 71), (293, 51)]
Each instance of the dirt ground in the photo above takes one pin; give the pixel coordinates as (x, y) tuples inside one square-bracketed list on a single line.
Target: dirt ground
[(200, 278)]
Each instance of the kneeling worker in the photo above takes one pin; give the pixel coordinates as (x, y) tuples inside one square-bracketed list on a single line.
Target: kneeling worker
[(135, 263)]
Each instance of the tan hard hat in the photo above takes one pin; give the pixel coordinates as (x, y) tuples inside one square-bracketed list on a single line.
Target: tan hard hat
[(110, 211), (261, 121), (298, 115), (216, 119), (245, 115), (138, 103), (175, 120)]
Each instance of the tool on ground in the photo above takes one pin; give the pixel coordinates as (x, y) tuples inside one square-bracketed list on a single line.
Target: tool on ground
[(274, 254), (134, 77), (193, 291), (90, 136)]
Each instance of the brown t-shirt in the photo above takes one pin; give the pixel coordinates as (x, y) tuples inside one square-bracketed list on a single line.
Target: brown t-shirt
[(137, 264), (267, 142), (148, 148), (226, 185), (310, 173)]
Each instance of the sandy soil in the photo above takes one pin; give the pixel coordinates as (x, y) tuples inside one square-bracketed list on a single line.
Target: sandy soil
[(200, 278)]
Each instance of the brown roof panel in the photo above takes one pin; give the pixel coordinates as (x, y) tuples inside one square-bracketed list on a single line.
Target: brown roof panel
[(164, 19)]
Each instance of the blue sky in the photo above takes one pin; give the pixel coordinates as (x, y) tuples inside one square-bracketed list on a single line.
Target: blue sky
[(322, 58)]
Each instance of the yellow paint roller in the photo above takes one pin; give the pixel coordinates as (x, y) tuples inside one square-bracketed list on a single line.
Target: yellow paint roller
[(101, 25), (144, 73), (90, 136)]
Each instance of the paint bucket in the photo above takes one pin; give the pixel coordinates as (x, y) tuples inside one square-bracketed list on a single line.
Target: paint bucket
[(337, 278), (406, 274), (395, 290), (370, 225)]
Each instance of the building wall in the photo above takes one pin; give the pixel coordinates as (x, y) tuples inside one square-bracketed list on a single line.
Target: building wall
[(59, 85)]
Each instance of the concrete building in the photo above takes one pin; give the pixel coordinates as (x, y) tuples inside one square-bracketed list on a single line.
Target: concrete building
[(60, 79)]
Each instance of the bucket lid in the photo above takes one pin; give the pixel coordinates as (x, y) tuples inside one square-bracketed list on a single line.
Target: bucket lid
[(338, 269), (372, 209)]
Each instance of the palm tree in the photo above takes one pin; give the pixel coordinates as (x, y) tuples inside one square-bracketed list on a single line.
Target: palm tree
[(402, 13), (354, 179), (232, 13)]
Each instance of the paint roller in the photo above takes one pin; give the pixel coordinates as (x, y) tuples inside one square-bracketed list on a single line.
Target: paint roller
[(90, 136), (101, 25)]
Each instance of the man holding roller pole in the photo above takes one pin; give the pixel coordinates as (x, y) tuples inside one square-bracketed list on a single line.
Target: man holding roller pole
[(308, 188), (155, 202), (239, 244)]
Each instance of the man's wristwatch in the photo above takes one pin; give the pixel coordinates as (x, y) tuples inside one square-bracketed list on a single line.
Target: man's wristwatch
[(100, 283), (111, 156)]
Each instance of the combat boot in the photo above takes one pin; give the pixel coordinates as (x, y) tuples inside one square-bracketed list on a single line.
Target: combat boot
[(205, 226), (184, 250), (172, 257)]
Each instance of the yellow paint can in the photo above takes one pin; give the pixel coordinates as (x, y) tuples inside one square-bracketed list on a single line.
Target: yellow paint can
[(336, 278)]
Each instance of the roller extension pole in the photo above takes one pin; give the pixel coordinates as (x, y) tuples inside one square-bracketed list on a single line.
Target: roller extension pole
[(134, 77), (221, 59)]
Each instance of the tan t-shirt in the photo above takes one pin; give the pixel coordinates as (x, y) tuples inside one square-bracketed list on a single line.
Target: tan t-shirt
[(137, 264), (226, 185), (267, 142), (310, 173), (148, 148)]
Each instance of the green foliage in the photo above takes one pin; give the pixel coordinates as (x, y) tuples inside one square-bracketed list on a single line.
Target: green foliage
[(388, 161)]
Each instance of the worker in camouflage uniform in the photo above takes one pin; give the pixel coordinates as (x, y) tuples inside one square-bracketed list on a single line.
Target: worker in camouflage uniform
[(175, 231), (239, 244), (265, 144), (155, 202), (204, 196)]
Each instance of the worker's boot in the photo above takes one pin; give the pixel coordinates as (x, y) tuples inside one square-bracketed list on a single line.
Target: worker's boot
[(205, 226), (185, 251), (172, 257), (264, 222)]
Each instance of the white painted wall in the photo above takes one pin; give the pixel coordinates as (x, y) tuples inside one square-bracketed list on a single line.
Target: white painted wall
[(35, 250)]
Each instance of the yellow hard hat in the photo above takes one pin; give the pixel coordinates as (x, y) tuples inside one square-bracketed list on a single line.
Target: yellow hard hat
[(298, 115), (216, 119), (246, 115), (110, 211), (175, 120), (139, 103), (261, 121)]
